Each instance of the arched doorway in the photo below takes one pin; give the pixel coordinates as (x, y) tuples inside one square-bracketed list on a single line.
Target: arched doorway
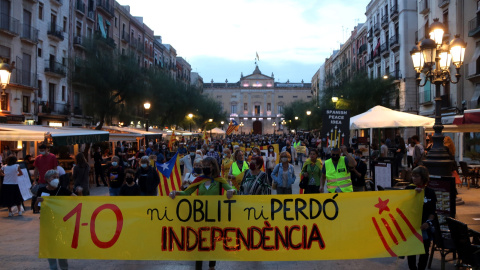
[(257, 127)]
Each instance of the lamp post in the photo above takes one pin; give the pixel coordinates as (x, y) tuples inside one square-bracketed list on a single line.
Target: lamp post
[(241, 127), (222, 122), (5, 72), (190, 116), (335, 100), (146, 105), (296, 123), (433, 59), (308, 119), (274, 125)]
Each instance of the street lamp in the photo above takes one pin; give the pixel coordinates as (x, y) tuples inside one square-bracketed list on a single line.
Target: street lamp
[(335, 100), (190, 116), (5, 72), (433, 59), (308, 119), (241, 126), (296, 119), (222, 122), (274, 125), (146, 105)]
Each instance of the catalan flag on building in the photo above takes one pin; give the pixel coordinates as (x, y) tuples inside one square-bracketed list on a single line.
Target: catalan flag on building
[(170, 175), (233, 126)]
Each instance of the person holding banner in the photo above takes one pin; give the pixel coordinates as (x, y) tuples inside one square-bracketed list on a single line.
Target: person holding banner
[(53, 189), (312, 170), (336, 172), (254, 180), (420, 178), (10, 191), (239, 166), (284, 174), (210, 183), (148, 178)]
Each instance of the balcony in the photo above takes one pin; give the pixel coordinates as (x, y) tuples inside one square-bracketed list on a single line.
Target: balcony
[(362, 49), (370, 35), (80, 7), (91, 15), (394, 42), (29, 34), (56, 32), (370, 60), (385, 21), (108, 40), (396, 75), (384, 51), (474, 27), (376, 29), (24, 78), (55, 69), (443, 3), (57, 2), (394, 12), (9, 25), (55, 108), (125, 37), (423, 7), (78, 42), (106, 7)]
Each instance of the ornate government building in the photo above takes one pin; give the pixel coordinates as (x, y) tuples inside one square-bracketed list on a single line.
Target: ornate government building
[(257, 101)]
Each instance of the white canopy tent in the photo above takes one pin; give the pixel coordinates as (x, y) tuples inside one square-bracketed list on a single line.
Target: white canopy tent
[(381, 117), (216, 131)]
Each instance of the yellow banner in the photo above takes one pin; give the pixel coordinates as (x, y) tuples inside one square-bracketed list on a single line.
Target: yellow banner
[(253, 228)]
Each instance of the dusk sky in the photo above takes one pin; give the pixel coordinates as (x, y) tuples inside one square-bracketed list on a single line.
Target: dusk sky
[(220, 38)]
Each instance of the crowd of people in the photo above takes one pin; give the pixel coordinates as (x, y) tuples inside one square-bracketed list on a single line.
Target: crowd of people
[(236, 165)]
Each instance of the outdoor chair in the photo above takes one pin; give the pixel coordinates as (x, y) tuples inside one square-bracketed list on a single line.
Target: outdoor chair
[(467, 173), (468, 253), (442, 242)]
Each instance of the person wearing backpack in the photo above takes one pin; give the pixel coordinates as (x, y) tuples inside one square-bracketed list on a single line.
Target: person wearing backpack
[(283, 174)]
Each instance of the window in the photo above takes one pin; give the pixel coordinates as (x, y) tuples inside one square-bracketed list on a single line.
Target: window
[(40, 88), (219, 96), (115, 22), (234, 108), (280, 109), (39, 52), (63, 92), (280, 96), (257, 109), (295, 96), (26, 104), (245, 106), (269, 107), (234, 96), (40, 11), (427, 93), (65, 24), (309, 96)]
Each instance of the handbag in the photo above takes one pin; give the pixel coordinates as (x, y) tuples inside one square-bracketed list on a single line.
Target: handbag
[(303, 182)]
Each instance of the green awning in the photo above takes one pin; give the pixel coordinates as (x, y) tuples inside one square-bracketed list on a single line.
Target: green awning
[(71, 139)]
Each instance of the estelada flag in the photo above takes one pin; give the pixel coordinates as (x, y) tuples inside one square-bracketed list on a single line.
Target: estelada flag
[(172, 140), (170, 175), (233, 126)]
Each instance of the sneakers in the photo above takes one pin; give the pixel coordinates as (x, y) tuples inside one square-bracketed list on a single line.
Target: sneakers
[(20, 213), (10, 214)]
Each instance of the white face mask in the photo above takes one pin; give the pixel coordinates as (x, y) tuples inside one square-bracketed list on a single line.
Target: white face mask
[(42, 152), (284, 159), (54, 183), (271, 150)]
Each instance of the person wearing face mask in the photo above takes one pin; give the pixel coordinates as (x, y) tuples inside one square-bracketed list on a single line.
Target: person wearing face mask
[(312, 171), (239, 166), (302, 152), (187, 161), (116, 176), (210, 183), (255, 181), (130, 188), (336, 172), (81, 175), (97, 157), (147, 177), (149, 150), (214, 154), (196, 172), (52, 189), (43, 162), (291, 150), (227, 161), (358, 172), (284, 174), (271, 161)]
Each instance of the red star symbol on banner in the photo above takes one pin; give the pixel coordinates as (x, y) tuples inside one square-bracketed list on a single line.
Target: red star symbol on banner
[(382, 205)]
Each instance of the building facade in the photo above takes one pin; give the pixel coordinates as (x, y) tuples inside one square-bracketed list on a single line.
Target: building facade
[(256, 101)]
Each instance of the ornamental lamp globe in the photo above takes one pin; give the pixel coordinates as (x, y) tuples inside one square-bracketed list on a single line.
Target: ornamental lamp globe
[(147, 105), (429, 51), (417, 58), (436, 32), (5, 73), (445, 58), (457, 51)]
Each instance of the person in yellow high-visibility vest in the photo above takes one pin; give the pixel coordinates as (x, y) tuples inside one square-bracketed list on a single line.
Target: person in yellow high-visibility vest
[(336, 171), (238, 166)]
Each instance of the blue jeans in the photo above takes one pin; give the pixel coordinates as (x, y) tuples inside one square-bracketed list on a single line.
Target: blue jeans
[(62, 262), (114, 191)]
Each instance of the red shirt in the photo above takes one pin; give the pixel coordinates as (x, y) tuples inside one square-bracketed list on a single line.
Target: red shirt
[(43, 163)]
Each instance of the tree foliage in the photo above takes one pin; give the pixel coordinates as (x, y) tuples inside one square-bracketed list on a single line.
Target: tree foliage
[(117, 87)]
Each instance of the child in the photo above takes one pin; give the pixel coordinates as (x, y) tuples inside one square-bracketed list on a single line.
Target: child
[(130, 188)]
